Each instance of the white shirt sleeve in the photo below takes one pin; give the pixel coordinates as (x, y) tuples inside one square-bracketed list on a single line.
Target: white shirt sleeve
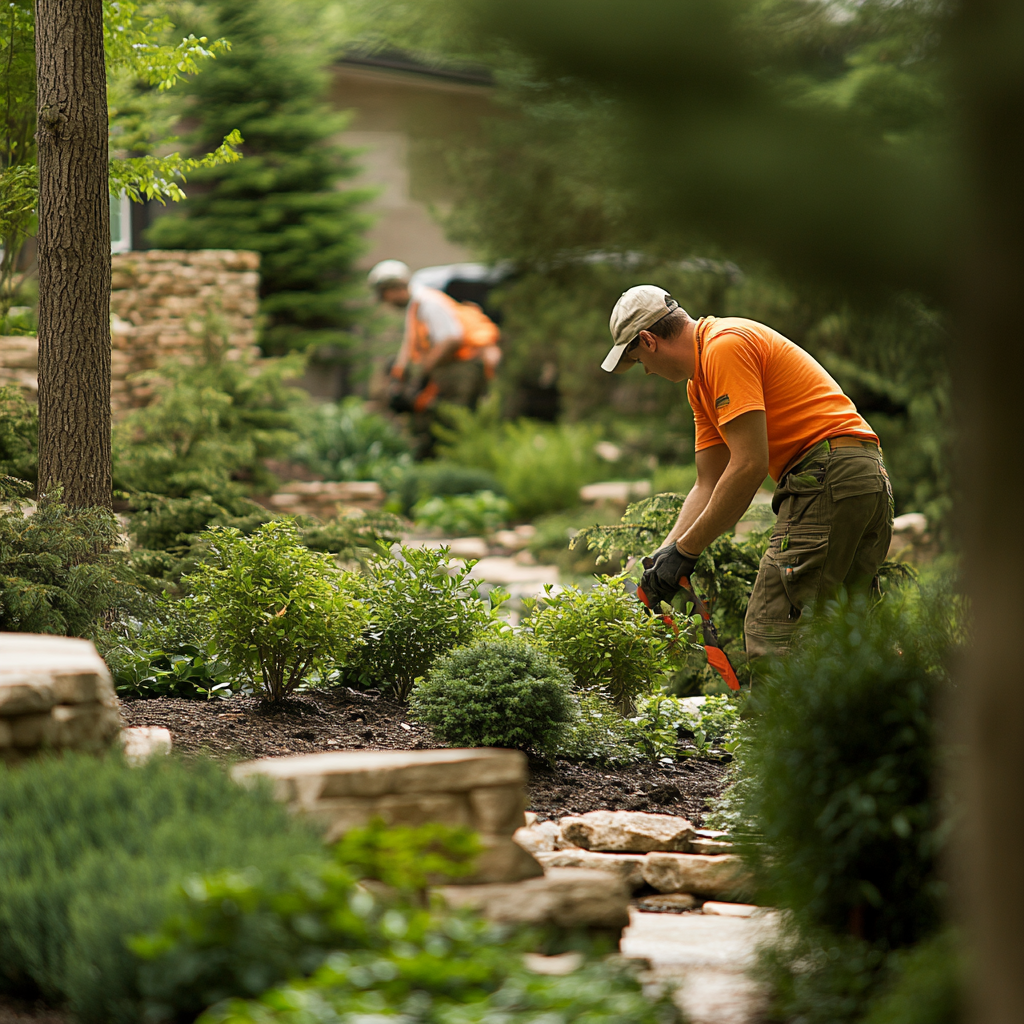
[(434, 314)]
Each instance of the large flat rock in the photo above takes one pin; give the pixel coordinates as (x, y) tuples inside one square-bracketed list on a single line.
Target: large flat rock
[(722, 875), (308, 778), (707, 957), (627, 831)]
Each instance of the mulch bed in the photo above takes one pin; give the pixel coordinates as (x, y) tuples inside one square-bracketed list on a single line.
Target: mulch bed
[(342, 719)]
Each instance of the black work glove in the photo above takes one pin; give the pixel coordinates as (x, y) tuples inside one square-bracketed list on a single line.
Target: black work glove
[(663, 571)]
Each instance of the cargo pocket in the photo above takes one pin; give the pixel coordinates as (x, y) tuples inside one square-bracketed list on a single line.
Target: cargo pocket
[(788, 581), (798, 492)]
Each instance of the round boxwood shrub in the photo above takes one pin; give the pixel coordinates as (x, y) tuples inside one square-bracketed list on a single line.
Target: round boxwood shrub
[(496, 693)]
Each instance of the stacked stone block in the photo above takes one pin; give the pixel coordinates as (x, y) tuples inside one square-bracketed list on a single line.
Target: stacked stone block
[(55, 694), (159, 301), (483, 789)]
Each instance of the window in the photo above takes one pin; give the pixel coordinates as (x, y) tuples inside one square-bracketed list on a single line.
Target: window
[(120, 223)]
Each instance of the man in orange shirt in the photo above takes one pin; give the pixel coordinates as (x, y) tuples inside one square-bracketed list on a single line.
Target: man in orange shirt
[(762, 407)]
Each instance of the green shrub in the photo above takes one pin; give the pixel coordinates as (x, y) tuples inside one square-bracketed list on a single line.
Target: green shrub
[(462, 515), (90, 854), (844, 751), (605, 638), (58, 572), (550, 544), (498, 693), (419, 610), (927, 985), (540, 466), (345, 441), (280, 612), (19, 434), (212, 422)]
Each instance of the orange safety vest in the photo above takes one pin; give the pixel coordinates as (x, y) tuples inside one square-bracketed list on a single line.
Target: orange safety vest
[(480, 336)]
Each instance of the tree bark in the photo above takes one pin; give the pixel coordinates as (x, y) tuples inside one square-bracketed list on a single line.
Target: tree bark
[(988, 47), (74, 252)]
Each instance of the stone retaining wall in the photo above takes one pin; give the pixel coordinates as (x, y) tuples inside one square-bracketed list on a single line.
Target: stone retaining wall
[(55, 693), (158, 304)]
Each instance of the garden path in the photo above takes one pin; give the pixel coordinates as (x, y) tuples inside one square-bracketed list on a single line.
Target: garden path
[(707, 956)]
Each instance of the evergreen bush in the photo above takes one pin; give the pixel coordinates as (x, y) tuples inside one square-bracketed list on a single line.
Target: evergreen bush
[(282, 200), (605, 638), (211, 425), (59, 572), (19, 434), (436, 480), (280, 613), (462, 515), (90, 854), (419, 610), (496, 693)]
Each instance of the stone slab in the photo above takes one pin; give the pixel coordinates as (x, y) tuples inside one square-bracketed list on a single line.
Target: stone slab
[(308, 778), (141, 742), (723, 875), (626, 866), (627, 831), (499, 810), (538, 837), (730, 909), (39, 671), (667, 902), (565, 897)]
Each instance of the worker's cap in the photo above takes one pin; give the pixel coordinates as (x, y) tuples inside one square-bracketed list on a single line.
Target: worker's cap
[(388, 274), (637, 309)]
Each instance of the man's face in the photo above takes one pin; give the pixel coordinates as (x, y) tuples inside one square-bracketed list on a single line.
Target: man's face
[(396, 295), (656, 355)]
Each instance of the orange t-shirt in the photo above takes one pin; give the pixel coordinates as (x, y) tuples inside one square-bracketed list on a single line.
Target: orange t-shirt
[(742, 366)]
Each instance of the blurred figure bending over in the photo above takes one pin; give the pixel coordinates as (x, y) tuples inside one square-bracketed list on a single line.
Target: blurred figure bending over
[(449, 351)]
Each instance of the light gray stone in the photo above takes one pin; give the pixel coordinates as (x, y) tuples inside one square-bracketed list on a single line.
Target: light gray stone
[(565, 897), (627, 831), (540, 837), (141, 742), (502, 861), (84, 726), (498, 809), (22, 698), (723, 875), (710, 846), (30, 731), (729, 909), (308, 778), (393, 809), (627, 866)]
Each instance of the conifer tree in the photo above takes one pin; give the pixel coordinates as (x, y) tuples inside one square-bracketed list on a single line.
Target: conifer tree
[(282, 200)]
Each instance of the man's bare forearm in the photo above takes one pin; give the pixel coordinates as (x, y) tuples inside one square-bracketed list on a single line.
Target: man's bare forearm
[(729, 500), (695, 503)]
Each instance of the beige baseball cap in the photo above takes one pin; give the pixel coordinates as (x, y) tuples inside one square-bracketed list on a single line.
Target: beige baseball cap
[(637, 309)]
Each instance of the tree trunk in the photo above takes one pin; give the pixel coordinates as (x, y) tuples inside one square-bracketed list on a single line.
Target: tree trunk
[(989, 48), (74, 252)]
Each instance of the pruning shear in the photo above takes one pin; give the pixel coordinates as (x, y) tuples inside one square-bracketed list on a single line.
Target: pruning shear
[(717, 658)]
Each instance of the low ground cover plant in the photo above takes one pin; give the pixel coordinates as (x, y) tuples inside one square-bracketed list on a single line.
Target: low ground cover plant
[(90, 853), (420, 609), (436, 479), (605, 638), (496, 693), (281, 614)]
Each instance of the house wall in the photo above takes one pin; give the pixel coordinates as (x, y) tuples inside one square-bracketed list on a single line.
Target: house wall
[(403, 126)]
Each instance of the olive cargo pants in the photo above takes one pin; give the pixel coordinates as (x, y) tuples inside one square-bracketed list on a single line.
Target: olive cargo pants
[(835, 522)]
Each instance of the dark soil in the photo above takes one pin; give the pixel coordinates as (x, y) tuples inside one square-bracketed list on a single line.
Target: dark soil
[(18, 1011), (244, 727)]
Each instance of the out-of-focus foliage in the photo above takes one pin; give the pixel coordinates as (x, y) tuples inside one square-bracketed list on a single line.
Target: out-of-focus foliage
[(282, 200), (345, 441), (462, 515), (91, 853), (19, 434), (539, 466)]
